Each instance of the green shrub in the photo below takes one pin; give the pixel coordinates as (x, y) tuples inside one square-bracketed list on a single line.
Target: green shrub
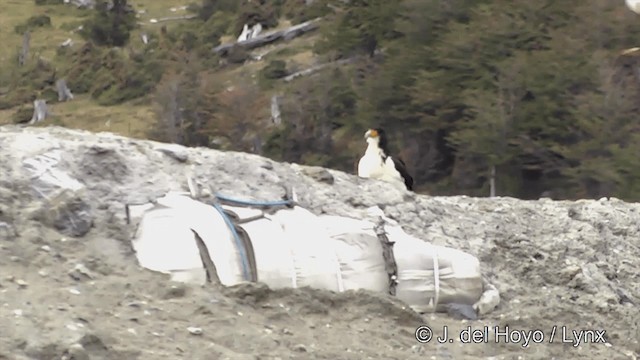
[(221, 23), (275, 69), (110, 76), (49, 94), (237, 55), (188, 40), (33, 22), (85, 66), (210, 7), (200, 36), (23, 114), (252, 13), (297, 11), (138, 80), (17, 96), (110, 27), (26, 82)]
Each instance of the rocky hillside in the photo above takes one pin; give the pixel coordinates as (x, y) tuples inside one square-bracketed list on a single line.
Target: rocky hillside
[(73, 290)]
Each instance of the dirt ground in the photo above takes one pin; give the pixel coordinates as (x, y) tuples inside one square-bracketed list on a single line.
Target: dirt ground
[(558, 265)]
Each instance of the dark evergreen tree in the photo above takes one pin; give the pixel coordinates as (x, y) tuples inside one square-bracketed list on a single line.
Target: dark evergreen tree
[(112, 23)]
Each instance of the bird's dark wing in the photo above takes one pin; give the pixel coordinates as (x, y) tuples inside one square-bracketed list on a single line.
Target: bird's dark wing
[(402, 169)]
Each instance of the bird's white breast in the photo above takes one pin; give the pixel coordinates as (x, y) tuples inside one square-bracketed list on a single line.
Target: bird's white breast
[(370, 165)]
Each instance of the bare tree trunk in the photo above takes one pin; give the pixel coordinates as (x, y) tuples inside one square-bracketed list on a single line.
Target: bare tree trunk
[(24, 52), (64, 93), (276, 116), (40, 111), (492, 182)]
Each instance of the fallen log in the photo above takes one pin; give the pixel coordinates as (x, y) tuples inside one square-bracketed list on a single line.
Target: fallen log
[(24, 51), (317, 68), (270, 37), (173, 18)]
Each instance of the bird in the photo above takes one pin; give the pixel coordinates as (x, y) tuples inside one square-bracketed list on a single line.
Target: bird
[(377, 162), (633, 5)]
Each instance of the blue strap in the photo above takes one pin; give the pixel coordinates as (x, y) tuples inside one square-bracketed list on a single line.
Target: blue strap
[(252, 202), (227, 220), (239, 244)]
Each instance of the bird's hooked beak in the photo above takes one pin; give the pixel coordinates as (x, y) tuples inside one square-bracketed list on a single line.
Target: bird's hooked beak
[(370, 134)]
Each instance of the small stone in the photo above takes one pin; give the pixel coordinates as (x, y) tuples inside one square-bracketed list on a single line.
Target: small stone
[(319, 174), (240, 313), (17, 312), (461, 311), (175, 152), (22, 283), (194, 330), (132, 331), (43, 272), (299, 348), (175, 291), (74, 291), (14, 258), (80, 272), (136, 304), (45, 248), (287, 331)]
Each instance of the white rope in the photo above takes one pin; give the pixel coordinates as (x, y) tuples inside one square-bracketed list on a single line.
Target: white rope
[(339, 275), (436, 277), (294, 276)]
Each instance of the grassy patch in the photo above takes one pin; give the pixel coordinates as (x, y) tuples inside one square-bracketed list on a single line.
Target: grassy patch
[(127, 119)]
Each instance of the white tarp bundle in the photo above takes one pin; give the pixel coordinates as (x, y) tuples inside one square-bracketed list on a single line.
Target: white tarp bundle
[(294, 248)]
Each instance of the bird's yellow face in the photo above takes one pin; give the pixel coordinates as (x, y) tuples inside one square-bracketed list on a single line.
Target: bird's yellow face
[(371, 133)]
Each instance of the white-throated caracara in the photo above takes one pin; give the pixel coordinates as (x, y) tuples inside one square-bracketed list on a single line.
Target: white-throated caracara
[(377, 163)]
